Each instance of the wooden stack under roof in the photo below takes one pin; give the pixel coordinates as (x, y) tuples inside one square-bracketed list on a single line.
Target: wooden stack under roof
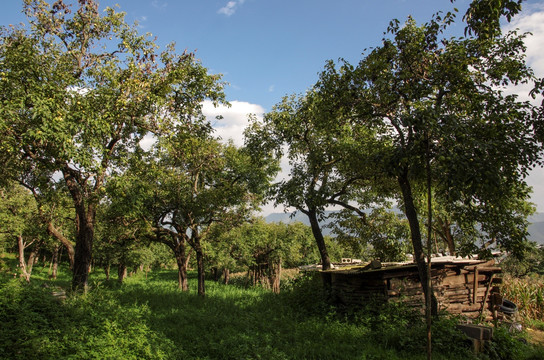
[(461, 286)]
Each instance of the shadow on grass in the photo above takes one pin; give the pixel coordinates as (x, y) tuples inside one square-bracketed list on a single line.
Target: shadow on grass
[(149, 317), (234, 323)]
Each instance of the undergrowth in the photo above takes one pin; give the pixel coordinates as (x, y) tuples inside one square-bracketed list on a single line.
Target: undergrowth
[(149, 318)]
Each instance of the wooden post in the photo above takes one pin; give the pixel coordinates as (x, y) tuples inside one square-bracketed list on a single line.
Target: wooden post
[(475, 285)]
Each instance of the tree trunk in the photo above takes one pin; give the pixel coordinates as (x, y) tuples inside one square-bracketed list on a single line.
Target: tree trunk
[(85, 206), (55, 262), (200, 268), (226, 276), (121, 272), (415, 231), (182, 272), (52, 230), (182, 260), (83, 250), (445, 230), (215, 273), (274, 276), (318, 235), (22, 262), (107, 270), (32, 258)]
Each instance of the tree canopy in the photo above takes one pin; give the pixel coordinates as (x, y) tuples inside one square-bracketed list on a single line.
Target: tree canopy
[(79, 92)]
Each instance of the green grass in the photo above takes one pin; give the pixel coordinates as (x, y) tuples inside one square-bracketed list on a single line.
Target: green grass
[(151, 319)]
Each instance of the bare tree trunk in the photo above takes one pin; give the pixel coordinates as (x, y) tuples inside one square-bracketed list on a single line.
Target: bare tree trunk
[(22, 262), (429, 284), (445, 233), (182, 260), (85, 207)]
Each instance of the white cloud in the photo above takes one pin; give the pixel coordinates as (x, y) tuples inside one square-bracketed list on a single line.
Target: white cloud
[(532, 20), (159, 4), (230, 8), (235, 119)]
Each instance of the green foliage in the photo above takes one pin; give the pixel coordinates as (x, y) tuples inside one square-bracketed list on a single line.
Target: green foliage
[(80, 90), (384, 235), (257, 242), (19, 216), (483, 16), (508, 346), (37, 326), (530, 262), (385, 319), (150, 318)]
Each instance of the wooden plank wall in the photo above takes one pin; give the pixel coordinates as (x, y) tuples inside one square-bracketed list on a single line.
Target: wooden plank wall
[(469, 290)]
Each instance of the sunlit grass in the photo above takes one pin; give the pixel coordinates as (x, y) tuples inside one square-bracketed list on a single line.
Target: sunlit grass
[(148, 317)]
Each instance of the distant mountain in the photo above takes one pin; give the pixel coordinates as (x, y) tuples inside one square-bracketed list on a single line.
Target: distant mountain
[(536, 229), (297, 216)]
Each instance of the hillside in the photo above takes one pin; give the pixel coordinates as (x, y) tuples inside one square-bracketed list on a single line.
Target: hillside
[(536, 229)]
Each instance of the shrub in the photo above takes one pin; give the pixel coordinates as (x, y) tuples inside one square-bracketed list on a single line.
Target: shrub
[(93, 326)]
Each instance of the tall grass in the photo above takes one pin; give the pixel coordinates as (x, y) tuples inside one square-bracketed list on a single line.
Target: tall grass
[(149, 318), (527, 293)]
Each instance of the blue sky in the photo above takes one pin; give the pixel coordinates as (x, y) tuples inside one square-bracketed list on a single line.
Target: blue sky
[(268, 49)]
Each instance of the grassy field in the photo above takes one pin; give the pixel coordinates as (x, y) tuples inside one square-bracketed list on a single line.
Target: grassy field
[(149, 318)]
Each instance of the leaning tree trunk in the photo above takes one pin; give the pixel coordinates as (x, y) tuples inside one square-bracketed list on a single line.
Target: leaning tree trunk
[(52, 230), (320, 240), (415, 231)]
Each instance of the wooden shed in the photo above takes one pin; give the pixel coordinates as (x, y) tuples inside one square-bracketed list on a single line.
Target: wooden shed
[(461, 286)]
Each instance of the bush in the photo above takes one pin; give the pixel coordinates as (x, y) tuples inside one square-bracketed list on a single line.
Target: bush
[(306, 294), (94, 326), (508, 346)]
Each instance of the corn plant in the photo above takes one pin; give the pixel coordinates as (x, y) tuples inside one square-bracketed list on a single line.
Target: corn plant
[(527, 293)]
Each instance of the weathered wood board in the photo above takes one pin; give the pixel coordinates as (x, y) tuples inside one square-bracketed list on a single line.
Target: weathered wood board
[(465, 287)]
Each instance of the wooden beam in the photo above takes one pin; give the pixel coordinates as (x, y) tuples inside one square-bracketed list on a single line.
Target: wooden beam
[(475, 286)]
